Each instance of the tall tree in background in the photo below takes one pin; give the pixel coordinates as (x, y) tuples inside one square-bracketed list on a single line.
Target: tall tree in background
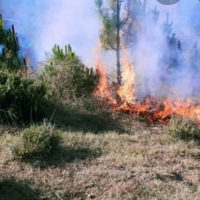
[(119, 25), (112, 25), (9, 55)]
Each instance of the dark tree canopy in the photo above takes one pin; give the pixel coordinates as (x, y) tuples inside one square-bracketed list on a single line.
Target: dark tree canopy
[(9, 56)]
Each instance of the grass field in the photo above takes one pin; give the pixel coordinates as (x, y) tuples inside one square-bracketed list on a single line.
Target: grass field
[(138, 162)]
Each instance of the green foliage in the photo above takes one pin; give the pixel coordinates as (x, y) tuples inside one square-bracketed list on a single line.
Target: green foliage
[(9, 58), (37, 141), (67, 54), (1, 22), (67, 77), (183, 128), (108, 35), (120, 15), (23, 100)]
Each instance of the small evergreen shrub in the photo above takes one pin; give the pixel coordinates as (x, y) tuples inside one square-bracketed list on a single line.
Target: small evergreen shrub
[(9, 56), (37, 141), (67, 77), (183, 128), (22, 99)]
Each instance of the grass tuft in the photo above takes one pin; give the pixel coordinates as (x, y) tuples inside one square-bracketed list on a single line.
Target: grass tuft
[(183, 128), (37, 141)]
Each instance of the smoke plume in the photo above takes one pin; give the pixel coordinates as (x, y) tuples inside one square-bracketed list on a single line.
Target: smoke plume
[(166, 56), (41, 24)]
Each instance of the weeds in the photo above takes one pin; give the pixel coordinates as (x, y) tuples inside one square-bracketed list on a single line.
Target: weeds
[(37, 141), (183, 128)]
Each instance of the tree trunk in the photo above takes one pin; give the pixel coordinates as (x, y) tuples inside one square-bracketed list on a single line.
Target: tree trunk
[(118, 56)]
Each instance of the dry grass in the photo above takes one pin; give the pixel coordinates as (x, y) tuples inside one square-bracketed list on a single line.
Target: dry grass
[(142, 164)]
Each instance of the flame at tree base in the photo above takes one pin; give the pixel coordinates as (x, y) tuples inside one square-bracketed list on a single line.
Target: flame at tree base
[(157, 110), (103, 90), (153, 109)]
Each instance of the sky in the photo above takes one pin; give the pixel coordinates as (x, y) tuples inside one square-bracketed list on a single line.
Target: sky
[(41, 24)]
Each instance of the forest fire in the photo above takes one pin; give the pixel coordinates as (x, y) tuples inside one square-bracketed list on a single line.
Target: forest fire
[(127, 90), (102, 89), (152, 108)]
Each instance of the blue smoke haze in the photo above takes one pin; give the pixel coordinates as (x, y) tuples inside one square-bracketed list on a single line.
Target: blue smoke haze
[(41, 24), (153, 57)]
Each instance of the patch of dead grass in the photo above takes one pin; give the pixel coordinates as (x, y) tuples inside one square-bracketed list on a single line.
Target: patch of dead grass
[(143, 164)]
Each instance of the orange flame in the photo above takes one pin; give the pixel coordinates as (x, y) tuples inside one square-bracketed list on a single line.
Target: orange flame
[(102, 89), (156, 110), (152, 109), (127, 90), (184, 108)]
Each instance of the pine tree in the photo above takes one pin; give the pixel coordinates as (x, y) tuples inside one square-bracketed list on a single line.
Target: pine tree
[(113, 24), (67, 76), (9, 57), (120, 24)]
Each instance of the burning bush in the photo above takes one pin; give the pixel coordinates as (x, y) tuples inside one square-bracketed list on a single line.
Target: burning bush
[(152, 107), (183, 128)]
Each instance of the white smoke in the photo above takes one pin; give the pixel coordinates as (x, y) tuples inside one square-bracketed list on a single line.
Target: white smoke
[(151, 55), (41, 24)]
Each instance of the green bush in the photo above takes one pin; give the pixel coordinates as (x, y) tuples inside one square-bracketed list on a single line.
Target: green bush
[(37, 141), (9, 57), (20, 99), (66, 76), (183, 128)]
